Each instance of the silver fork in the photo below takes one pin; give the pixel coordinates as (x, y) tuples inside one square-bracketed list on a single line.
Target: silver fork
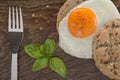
[(15, 35)]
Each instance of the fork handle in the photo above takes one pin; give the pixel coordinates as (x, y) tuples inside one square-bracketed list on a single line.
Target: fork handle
[(14, 71)]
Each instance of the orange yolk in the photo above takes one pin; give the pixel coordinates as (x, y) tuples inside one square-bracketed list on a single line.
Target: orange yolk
[(82, 22)]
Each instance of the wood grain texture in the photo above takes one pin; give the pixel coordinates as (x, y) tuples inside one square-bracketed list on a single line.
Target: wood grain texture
[(40, 23)]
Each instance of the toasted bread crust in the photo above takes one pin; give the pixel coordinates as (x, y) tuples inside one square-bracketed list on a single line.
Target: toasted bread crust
[(68, 5)]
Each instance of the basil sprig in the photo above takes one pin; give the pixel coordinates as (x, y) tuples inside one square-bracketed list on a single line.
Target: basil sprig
[(43, 55)]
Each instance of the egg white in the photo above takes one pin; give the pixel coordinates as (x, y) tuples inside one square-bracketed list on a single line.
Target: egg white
[(105, 10)]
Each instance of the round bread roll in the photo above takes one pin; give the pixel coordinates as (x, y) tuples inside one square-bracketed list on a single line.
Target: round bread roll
[(68, 5), (106, 49)]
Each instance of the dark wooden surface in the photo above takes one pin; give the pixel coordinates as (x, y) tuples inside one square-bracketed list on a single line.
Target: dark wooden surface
[(40, 23)]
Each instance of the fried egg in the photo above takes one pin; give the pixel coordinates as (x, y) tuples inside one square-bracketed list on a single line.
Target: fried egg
[(78, 27)]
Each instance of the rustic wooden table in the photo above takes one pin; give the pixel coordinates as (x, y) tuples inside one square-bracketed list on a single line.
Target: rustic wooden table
[(40, 23)]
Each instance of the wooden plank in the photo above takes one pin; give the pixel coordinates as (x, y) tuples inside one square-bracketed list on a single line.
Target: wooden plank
[(39, 22)]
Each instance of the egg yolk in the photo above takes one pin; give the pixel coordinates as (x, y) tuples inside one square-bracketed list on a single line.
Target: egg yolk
[(82, 22)]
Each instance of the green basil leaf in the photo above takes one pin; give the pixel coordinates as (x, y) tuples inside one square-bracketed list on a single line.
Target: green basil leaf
[(42, 49), (49, 47), (40, 64), (33, 50), (57, 65)]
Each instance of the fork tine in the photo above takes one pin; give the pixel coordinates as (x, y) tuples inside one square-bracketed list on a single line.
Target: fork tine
[(13, 18), (9, 20), (17, 22), (21, 19)]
